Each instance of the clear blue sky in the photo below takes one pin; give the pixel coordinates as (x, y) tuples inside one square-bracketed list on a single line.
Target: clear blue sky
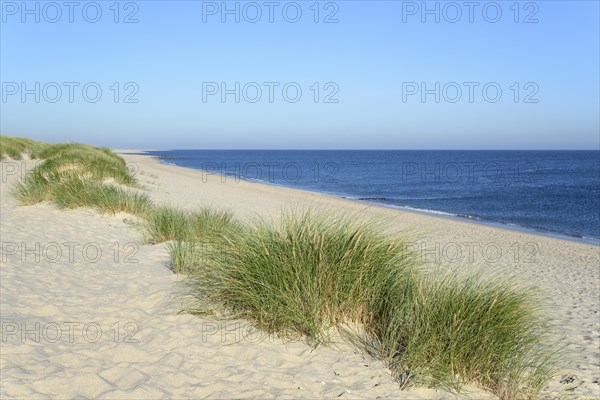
[(376, 57)]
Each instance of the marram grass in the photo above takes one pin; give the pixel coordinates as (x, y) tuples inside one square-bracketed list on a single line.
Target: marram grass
[(185, 256), (35, 188), (92, 162), (166, 223), (15, 148), (74, 192), (304, 275), (190, 235), (310, 273), (448, 330), (75, 175), (77, 192)]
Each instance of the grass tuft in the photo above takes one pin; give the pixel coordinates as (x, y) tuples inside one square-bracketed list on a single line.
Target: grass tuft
[(185, 256), (167, 223), (35, 188), (204, 225), (15, 148), (93, 163), (446, 331), (190, 234), (304, 275), (75, 175), (78, 192), (311, 273)]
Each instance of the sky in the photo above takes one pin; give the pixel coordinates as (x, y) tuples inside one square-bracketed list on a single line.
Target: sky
[(302, 75)]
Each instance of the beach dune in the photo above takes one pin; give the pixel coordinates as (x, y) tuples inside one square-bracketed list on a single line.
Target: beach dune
[(88, 310)]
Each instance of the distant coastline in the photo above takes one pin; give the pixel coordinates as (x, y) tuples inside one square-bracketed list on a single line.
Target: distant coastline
[(385, 202)]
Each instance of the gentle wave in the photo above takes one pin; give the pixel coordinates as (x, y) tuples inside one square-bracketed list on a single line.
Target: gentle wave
[(522, 228)]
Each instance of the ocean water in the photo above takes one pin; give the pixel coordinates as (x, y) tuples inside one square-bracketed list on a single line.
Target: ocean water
[(553, 192)]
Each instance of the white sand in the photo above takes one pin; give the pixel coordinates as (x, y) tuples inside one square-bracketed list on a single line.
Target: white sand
[(172, 355)]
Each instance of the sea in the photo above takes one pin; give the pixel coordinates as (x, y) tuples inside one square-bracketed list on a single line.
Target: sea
[(555, 193)]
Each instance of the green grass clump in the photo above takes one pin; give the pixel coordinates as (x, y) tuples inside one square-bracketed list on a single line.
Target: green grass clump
[(69, 190), (76, 175), (447, 331), (78, 192), (310, 273), (304, 275), (190, 234), (209, 224), (35, 188), (167, 223), (205, 225), (91, 162), (15, 147), (185, 256)]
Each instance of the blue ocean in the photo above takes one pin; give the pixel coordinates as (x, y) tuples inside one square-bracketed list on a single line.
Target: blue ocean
[(551, 192)]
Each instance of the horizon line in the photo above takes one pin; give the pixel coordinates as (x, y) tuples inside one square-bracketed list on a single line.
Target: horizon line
[(334, 149)]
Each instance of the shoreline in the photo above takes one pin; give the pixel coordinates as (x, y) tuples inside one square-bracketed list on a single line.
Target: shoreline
[(432, 213), (564, 273)]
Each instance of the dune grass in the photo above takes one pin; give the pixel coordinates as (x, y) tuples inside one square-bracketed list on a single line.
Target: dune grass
[(110, 199), (75, 175), (92, 162), (446, 331), (167, 223), (303, 276), (310, 274), (70, 190), (15, 147), (35, 188), (190, 235), (185, 257)]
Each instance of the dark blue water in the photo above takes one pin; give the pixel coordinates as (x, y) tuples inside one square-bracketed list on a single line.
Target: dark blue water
[(549, 191)]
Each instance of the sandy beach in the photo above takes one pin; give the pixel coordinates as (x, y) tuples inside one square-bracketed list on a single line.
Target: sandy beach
[(89, 311)]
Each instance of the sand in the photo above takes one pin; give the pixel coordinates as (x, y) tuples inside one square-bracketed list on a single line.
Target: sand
[(97, 315)]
